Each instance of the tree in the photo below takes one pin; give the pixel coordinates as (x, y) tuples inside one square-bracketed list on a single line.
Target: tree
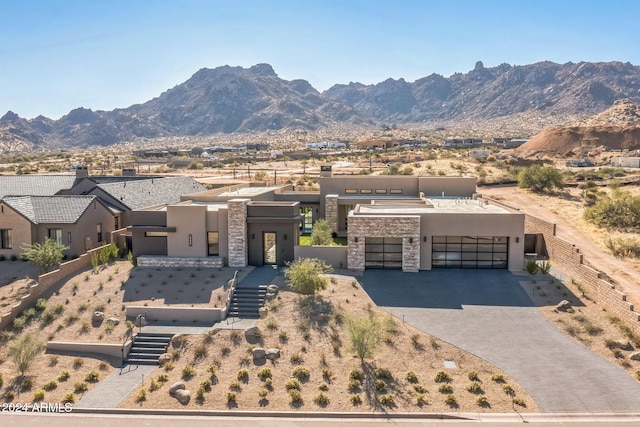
[(321, 233), (365, 333), (303, 275), (540, 178), (620, 210), (45, 255), (24, 351)]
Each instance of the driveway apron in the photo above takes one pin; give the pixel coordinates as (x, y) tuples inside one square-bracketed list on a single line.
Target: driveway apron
[(488, 313)]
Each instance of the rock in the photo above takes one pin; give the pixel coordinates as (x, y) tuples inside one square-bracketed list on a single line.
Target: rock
[(272, 289), (262, 312), (164, 359), (635, 355), (258, 353), (176, 340), (175, 387), (114, 321), (97, 317), (623, 344), (183, 396), (252, 332), (564, 305), (269, 296), (273, 353)]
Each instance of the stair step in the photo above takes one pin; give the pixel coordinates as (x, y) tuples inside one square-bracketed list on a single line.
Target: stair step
[(136, 355), (142, 362)]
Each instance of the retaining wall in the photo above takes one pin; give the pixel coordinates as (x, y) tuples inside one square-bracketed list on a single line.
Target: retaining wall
[(163, 261), (335, 256), (178, 314), (112, 351)]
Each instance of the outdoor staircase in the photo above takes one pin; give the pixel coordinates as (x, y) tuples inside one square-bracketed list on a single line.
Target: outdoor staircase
[(147, 348), (246, 301)]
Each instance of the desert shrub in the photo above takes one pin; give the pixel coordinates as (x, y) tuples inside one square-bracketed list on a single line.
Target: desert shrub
[(41, 304), (545, 266), (519, 401), (1, 380), (420, 388), (411, 377), (355, 399), (380, 385), (321, 399), (532, 266), (80, 386), (232, 397), (499, 378), (38, 395), (327, 374), (508, 389), (482, 401), (168, 366), (188, 371), (68, 398), (473, 376), (264, 373), (304, 275), (445, 388), (450, 400), (263, 392), (283, 337), (295, 396), (92, 377), (154, 385), (200, 351), (365, 333), (271, 323), (50, 385), (268, 384), (540, 178), (323, 387), (356, 374), (623, 247), (141, 395), (386, 399), (64, 375), (200, 394), (296, 359), (27, 384), (292, 384), (620, 210), (353, 384), (24, 351), (442, 377), (243, 374), (19, 323), (235, 385), (383, 373), (421, 399), (474, 387)]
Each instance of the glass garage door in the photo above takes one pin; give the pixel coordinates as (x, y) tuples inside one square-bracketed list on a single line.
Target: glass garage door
[(383, 252), (469, 252)]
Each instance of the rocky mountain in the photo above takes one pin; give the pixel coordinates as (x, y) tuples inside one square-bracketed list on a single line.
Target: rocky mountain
[(555, 89), (235, 100), (616, 128)]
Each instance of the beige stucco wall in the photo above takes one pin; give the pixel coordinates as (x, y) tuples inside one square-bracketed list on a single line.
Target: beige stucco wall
[(451, 186), (188, 220), (21, 230)]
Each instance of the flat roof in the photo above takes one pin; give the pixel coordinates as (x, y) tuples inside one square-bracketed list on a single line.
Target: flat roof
[(247, 191), (438, 206)]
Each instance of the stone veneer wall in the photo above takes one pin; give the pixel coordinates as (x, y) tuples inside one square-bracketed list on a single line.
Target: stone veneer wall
[(163, 261), (238, 252), (568, 258), (405, 226), (331, 211)]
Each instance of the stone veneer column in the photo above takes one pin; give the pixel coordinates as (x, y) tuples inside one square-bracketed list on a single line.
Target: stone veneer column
[(331, 211), (355, 253), (411, 253), (237, 209)]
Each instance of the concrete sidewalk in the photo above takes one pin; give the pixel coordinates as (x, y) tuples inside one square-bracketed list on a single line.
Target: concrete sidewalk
[(113, 389)]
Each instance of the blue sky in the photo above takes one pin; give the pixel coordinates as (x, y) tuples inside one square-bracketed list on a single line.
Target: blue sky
[(59, 55)]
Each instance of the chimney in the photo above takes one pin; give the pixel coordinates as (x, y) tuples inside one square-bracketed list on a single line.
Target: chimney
[(325, 171), (128, 171), (82, 171)]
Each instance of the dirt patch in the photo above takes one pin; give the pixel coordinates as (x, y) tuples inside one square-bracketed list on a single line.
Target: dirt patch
[(312, 334)]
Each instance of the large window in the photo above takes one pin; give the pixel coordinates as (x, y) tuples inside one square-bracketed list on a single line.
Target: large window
[(469, 251), (5, 239), (213, 244), (55, 234), (99, 231)]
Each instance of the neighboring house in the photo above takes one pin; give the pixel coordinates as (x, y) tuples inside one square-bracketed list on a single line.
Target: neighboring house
[(408, 222), (79, 222), (479, 154), (35, 185), (626, 162)]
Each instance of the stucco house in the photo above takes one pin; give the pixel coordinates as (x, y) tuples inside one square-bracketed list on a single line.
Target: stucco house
[(79, 222), (406, 222)]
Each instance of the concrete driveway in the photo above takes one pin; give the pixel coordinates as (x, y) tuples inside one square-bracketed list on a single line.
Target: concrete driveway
[(488, 313)]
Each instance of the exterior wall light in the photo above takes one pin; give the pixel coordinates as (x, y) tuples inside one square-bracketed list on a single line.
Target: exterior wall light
[(253, 236), (424, 239), (285, 237), (355, 239), (410, 239), (190, 239), (517, 240)]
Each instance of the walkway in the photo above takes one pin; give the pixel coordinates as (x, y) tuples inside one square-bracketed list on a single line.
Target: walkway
[(113, 389), (488, 313)]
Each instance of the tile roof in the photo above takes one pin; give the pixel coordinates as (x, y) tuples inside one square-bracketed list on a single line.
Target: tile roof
[(142, 194), (50, 209), (34, 185)]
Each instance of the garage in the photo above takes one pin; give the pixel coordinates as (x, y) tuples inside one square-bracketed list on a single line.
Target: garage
[(383, 252), (470, 252)]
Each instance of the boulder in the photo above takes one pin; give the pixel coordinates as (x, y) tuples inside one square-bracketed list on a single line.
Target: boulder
[(176, 340), (164, 359), (269, 296), (635, 355), (623, 344), (262, 312), (175, 387), (252, 332), (258, 353), (183, 396), (273, 354), (272, 289), (113, 321), (97, 317), (564, 305)]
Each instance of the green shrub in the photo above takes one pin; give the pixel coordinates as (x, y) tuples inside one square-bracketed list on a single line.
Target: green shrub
[(499, 378), (356, 374), (264, 373), (38, 395), (188, 371), (474, 387), (508, 389), (520, 402), (445, 388), (532, 266), (386, 399), (68, 398), (295, 396), (50, 385), (232, 397), (235, 385), (64, 375), (411, 377), (442, 377), (19, 323), (41, 304), (383, 373), (421, 399), (141, 395), (355, 399), (380, 385), (321, 399), (540, 178), (450, 400), (482, 401), (243, 374), (353, 384), (302, 373), (80, 386), (292, 384), (92, 377), (420, 388)]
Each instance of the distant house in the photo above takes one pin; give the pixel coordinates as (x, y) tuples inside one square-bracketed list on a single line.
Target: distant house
[(468, 142), (79, 222), (580, 163), (626, 162), (479, 154)]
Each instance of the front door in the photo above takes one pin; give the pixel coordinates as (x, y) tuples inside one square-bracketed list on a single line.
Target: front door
[(269, 248)]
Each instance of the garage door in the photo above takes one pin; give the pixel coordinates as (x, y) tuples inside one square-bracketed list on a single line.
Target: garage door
[(383, 252), (469, 252)]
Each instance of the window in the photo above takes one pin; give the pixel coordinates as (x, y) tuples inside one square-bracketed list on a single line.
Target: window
[(99, 231), (155, 234), (397, 191), (213, 243), (5, 239), (365, 191), (381, 191), (351, 191), (55, 234), (69, 237)]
